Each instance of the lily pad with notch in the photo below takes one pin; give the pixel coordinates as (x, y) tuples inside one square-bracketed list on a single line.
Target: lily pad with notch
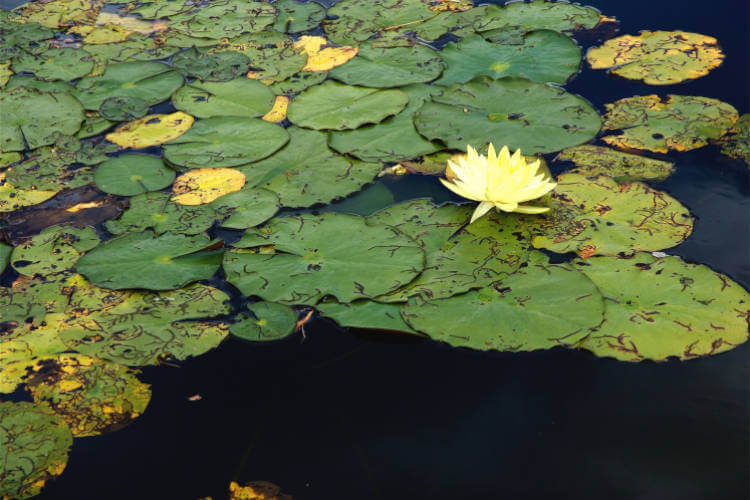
[(246, 208), (123, 108), (132, 174), (55, 64), (271, 321), (239, 97), (53, 251), (295, 17), (157, 212), (593, 161), (366, 314), (211, 67)]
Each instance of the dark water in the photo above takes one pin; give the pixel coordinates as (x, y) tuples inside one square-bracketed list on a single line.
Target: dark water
[(341, 415)]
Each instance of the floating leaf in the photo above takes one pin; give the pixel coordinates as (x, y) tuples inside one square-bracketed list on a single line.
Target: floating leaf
[(10, 158), (55, 250), (131, 174), (5, 73), (211, 67), (153, 9), (433, 164), (131, 24), (662, 307), (335, 106), (98, 35), (5, 251), (151, 81), (240, 97), (143, 260), (136, 48), (272, 55), (535, 117), (225, 142), (736, 142), (296, 17), (543, 56), (277, 114), (366, 314), (306, 172), (93, 125), (299, 82), (246, 208), (35, 446), (458, 257), (271, 322), (123, 108), (390, 67), (34, 83), (541, 306), (658, 57), (18, 36), (599, 216), (329, 254), (12, 198), (223, 19), (32, 119), (156, 211), (393, 139), (91, 395), (55, 64), (320, 55), (204, 185), (593, 161), (256, 490), (678, 122), (151, 130), (26, 303), (60, 13), (353, 21), (455, 22)]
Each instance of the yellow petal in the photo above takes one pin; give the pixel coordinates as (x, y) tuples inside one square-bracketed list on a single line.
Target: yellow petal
[(278, 112), (527, 209), (151, 130), (204, 185), (323, 59), (481, 209)]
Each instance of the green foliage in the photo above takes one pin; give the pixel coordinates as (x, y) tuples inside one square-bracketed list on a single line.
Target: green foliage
[(55, 64), (53, 251), (131, 174), (155, 211), (240, 97), (271, 321), (593, 161), (211, 67), (366, 314), (295, 17)]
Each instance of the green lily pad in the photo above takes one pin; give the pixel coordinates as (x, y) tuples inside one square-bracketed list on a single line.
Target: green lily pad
[(35, 445), (211, 67), (155, 211), (131, 174), (543, 56), (271, 322), (540, 307), (124, 108), (223, 19), (136, 48), (91, 395), (18, 36), (678, 122), (55, 250), (299, 82), (272, 55), (352, 21), (32, 119), (5, 251), (61, 13), (239, 97), (35, 83), (225, 142), (599, 216), (457, 23), (306, 172), (459, 257), (296, 17), (390, 67), (394, 139), (329, 254), (434, 164), (736, 142), (152, 82), (155, 9), (366, 314), (30, 299), (55, 64), (335, 106), (144, 260), (592, 161), (657, 308), (519, 113), (246, 208), (93, 125)]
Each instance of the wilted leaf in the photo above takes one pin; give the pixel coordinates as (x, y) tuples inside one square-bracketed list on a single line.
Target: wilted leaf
[(593, 161), (98, 35), (131, 174), (156, 211), (55, 250), (204, 185), (12, 198), (736, 142), (28, 300), (271, 322), (240, 97), (151, 130), (320, 55), (277, 113)]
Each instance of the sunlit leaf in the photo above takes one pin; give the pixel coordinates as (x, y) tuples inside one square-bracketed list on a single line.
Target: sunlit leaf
[(156, 211), (13, 198), (320, 55), (132, 24), (677, 122), (592, 161), (143, 260), (366, 314), (204, 185), (60, 13), (5, 73), (271, 321), (658, 57), (736, 142), (662, 307), (277, 113), (272, 55), (97, 35), (239, 97), (55, 250), (151, 130), (131, 174)]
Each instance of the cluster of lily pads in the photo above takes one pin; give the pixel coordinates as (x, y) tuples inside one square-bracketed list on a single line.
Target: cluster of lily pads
[(132, 131)]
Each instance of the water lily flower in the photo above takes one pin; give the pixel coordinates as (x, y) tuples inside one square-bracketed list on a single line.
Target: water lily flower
[(500, 181)]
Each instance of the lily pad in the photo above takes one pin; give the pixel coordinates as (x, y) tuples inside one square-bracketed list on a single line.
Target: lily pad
[(136, 48), (35, 445), (151, 81), (534, 117), (352, 21), (151, 130), (335, 106), (394, 139), (736, 142), (678, 122), (28, 300), (658, 308), (599, 216), (60, 13), (246, 208), (593, 161), (271, 322), (277, 114), (321, 54), (204, 185), (18, 35), (55, 64), (306, 172), (154, 9), (123, 108), (35, 83), (13, 198), (5, 251), (390, 67), (91, 395), (32, 119), (296, 17), (459, 23), (329, 254), (156, 211), (211, 67), (223, 19), (299, 82), (93, 125), (225, 142), (55, 250), (366, 314), (240, 97), (459, 257), (143, 260), (272, 55), (658, 57), (132, 174), (543, 56), (540, 307)]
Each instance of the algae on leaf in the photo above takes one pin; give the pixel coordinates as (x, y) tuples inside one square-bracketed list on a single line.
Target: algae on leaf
[(736, 142), (593, 161), (53, 251)]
